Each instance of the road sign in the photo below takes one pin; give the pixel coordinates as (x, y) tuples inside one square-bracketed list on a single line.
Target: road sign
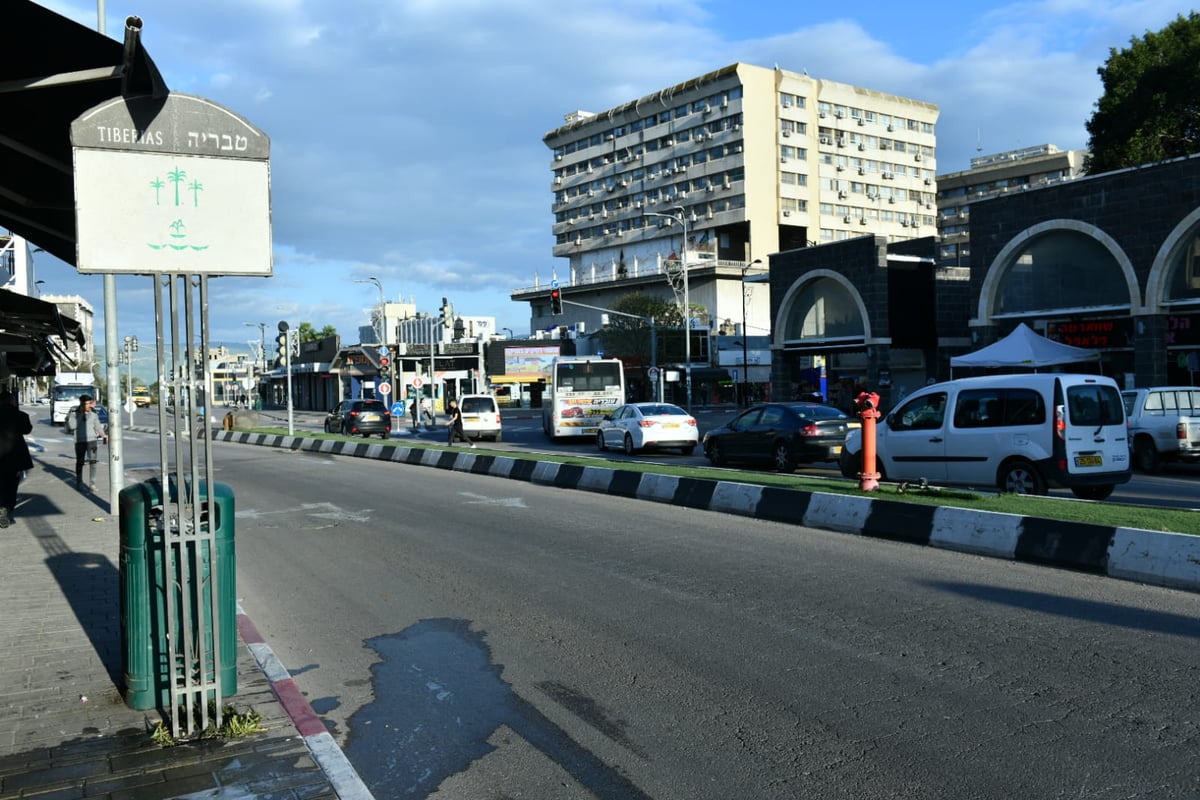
[(554, 284), (735, 375), (397, 409), (652, 373), (385, 388), (383, 351), (417, 382)]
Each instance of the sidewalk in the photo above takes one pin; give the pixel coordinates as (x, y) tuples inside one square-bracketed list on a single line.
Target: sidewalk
[(65, 731)]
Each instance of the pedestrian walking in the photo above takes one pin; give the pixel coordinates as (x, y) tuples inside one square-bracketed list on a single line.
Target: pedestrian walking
[(455, 426), (84, 423), (427, 411), (416, 411), (14, 453)]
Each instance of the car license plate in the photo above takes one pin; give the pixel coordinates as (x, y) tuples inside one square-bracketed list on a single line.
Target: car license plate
[(1089, 461), (470, 418), (836, 449), (370, 417), (670, 424)]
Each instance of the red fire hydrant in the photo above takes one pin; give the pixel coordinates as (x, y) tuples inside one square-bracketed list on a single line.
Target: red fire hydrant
[(867, 404)]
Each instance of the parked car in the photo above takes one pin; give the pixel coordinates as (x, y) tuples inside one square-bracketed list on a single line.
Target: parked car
[(1018, 433), (646, 426), (481, 417), (783, 435), (359, 418), (1164, 425)]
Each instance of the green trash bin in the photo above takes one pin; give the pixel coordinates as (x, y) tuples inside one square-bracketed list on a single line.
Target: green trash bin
[(144, 600)]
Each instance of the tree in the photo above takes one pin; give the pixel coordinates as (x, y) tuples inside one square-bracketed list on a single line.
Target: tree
[(629, 339), (1150, 109), (307, 333)]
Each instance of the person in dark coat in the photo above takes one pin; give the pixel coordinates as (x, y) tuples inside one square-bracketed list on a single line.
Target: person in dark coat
[(14, 453), (455, 426)]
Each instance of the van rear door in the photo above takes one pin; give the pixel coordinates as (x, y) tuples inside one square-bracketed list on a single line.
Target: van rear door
[(1089, 418)]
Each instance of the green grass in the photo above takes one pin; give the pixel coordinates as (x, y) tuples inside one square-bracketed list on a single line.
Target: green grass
[(1146, 517)]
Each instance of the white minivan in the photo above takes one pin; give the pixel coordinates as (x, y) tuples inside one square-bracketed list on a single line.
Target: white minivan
[(1020, 433), (481, 417)]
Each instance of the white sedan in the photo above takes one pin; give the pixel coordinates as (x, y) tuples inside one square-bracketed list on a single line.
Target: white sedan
[(639, 426)]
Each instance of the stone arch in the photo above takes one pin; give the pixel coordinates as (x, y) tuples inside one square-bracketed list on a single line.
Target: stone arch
[(789, 304), (1166, 261), (1000, 267)]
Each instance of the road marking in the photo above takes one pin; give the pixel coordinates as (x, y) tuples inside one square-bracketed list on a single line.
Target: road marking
[(319, 510), (483, 500)]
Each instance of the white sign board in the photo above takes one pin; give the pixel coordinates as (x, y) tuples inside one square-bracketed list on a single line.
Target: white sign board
[(171, 185)]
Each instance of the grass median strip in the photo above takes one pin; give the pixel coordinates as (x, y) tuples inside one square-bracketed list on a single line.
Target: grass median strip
[(1097, 513)]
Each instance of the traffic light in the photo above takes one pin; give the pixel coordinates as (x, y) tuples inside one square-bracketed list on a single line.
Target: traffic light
[(556, 301), (281, 344), (447, 315), (384, 361)]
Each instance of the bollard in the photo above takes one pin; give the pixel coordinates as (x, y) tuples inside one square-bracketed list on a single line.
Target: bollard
[(867, 404)]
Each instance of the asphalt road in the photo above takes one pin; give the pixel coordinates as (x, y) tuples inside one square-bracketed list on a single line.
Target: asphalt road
[(464, 636)]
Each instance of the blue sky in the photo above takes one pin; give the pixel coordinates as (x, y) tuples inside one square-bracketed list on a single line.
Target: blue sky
[(407, 134)]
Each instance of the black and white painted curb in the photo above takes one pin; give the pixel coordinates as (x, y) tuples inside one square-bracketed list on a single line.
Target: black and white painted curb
[(1164, 559)]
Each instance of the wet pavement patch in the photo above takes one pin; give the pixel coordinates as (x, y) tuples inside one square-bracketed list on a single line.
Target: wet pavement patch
[(439, 698)]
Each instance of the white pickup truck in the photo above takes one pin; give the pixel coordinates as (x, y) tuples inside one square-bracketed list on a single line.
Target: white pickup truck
[(1164, 425)]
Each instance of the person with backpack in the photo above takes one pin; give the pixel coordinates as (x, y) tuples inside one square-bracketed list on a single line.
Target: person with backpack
[(84, 424)]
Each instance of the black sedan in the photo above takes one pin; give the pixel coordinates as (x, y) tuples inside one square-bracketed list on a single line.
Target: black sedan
[(360, 418), (781, 434)]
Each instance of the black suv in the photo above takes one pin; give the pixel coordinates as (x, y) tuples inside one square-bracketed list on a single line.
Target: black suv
[(359, 418)]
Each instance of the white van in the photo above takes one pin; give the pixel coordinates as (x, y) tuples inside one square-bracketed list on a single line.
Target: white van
[(480, 417), (1020, 433)]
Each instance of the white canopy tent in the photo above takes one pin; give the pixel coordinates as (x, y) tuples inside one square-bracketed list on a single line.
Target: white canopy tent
[(1023, 348)]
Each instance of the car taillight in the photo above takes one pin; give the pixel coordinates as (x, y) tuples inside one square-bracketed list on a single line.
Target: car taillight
[(809, 430), (691, 422), (646, 424), (354, 413), (1060, 422), (1181, 431)]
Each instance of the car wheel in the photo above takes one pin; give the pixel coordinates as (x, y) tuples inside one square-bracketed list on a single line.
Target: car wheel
[(383, 435), (716, 454), (781, 456), (629, 445), (497, 437), (850, 464), (1020, 477), (1145, 455), (1093, 492), (327, 428), (600, 441)]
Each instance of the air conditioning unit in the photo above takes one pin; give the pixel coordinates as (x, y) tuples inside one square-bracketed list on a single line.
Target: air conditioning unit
[(558, 157), (710, 214), (929, 181), (841, 167), (710, 187), (822, 115), (727, 183), (846, 219), (825, 140), (841, 195), (578, 241), (892, 200), (917, 157), (724, 102), (787, 103), (607, 232), (840, 114), (891, 128), (608, 138), (862, 220), (624, 184), (887, 176), (786, 132), (558, 180), (862, 146), (737, 148), (591, 192), (862, 170), (903, 223), (841, 142), (862, 121), (737, 126), (637, 204), (783, 159), (787, 213)]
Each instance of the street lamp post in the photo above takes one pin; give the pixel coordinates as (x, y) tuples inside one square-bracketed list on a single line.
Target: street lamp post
[(745, 346), (382, 332), (687, 306), (262, 358)]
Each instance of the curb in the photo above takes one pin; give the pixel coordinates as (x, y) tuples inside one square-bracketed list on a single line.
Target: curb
[(325, 751), (1159, 558)]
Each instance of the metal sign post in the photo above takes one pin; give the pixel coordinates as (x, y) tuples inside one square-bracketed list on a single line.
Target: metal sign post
[(178, 188)]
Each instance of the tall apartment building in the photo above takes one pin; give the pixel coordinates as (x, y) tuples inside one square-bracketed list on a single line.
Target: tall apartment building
[(992, 176), (747, 161)]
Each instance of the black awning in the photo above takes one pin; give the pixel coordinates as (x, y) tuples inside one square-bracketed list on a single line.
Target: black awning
[(710, 374), (53, 69), (28, 327)]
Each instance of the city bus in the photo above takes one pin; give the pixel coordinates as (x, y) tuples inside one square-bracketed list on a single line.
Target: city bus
[(579, 391)]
